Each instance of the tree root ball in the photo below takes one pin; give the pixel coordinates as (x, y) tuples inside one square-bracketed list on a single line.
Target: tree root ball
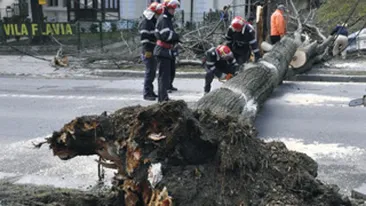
[(205, 159)]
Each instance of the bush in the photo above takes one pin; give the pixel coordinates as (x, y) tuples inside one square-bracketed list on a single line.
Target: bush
[(94, 28), (114, 27)]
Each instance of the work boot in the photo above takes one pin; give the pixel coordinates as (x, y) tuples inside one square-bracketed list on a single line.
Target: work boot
[(149, 98), (154, 95), (171, 89)]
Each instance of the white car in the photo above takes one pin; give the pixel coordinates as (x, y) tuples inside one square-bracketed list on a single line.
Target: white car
[(357, 43)]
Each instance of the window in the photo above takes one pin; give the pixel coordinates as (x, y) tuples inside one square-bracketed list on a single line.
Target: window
[(86, 4), (52, 2)]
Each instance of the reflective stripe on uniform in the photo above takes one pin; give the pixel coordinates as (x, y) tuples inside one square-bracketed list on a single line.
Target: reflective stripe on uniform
[(144, 31), (147, 41), (210, 69), (256, 50), (164, 30), (253, 41), (210, 63), (170, 35)]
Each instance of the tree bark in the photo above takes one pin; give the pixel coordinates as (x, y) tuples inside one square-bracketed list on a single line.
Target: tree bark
[(244, 94)]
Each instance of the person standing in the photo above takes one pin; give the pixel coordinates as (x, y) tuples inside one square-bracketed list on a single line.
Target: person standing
[(148, 41), (224, 17), (341, 41), (175, 55), (166, 38), (278, 24), (241, 40)]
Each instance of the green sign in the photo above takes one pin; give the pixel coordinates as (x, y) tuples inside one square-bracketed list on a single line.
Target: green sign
[(33, 29)]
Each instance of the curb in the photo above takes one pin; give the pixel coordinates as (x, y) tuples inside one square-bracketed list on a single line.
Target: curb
[(330, 78), (141, 74), (301, 77)]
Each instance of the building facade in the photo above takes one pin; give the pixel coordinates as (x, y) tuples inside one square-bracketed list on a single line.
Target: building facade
[(56, 10)]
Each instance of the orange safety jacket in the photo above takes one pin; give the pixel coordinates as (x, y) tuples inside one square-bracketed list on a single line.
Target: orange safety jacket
[(278, 24)]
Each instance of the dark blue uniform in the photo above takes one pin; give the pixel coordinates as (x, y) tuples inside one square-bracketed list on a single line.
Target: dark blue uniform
[(166, 38), (148, 41), (240, 43), (340, 30), (216, 67)]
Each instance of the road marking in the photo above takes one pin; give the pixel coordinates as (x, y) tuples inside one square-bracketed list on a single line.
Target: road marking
[(190, 97)]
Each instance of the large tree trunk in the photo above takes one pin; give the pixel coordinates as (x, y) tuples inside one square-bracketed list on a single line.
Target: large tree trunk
[(244, 94)]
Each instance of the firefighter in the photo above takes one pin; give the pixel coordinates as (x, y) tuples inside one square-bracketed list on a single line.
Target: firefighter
[(171, 88), (148, 41), (240, 38), (219, 62), (166, 38)]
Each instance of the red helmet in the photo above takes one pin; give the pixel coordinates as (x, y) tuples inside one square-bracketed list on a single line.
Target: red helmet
[(171, 4), (237, 23), (224, 52), (156, 7)]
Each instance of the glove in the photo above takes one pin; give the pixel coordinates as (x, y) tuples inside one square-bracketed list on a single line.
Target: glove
[(228, 76), (147, 54), (175, 53)]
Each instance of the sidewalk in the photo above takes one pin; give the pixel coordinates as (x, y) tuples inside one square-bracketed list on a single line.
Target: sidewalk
[(24, 66)]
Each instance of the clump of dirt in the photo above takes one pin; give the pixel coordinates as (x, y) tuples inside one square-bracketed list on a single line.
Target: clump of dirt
[(167, 153)]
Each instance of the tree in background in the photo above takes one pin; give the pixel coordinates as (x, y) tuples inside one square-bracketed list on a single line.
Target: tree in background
[(334, 12)]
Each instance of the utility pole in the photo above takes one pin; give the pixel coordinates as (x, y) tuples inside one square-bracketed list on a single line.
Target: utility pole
[(265, 19), (37, 17), (191, 17)]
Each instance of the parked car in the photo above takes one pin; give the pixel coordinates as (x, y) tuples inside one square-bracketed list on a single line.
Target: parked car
[(357, 43)]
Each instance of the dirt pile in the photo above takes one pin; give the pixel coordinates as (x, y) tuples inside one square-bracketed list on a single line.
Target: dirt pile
[(166, 154)]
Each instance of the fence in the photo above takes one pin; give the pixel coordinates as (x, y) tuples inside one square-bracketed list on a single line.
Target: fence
[(83, 35), (87, 36)]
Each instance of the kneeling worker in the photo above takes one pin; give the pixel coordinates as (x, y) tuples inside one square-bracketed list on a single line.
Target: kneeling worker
[(219, 62)]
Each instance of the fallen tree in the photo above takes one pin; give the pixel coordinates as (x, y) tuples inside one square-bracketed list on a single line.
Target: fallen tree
[(167, 153)]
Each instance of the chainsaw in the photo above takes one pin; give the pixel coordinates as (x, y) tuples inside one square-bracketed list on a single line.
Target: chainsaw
[(358, 102)]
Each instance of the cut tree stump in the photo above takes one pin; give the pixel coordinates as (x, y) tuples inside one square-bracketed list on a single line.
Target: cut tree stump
[(310, 55)]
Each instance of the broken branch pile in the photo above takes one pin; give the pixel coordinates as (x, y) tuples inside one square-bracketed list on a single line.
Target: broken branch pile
[(166, 153)]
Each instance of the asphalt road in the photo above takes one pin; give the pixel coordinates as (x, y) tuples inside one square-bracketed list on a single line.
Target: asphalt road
[(315, 118), (309, 117), (31, 109)]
